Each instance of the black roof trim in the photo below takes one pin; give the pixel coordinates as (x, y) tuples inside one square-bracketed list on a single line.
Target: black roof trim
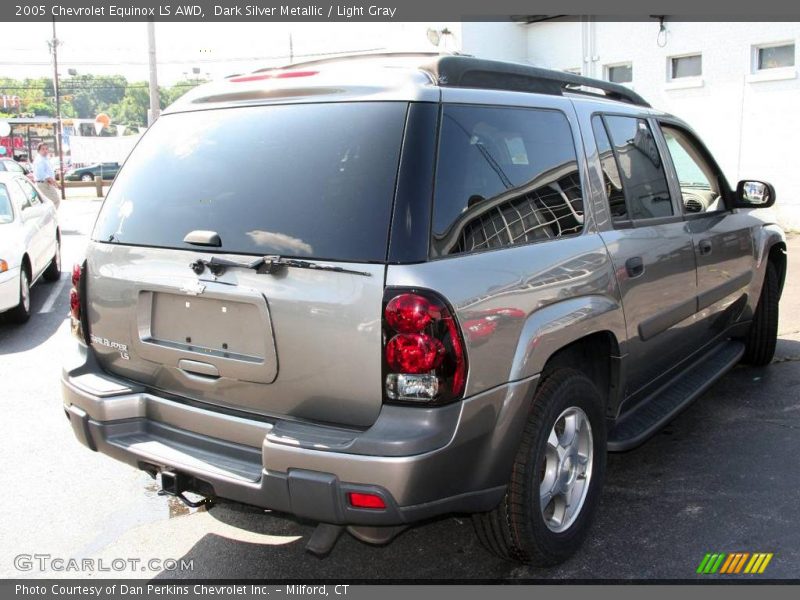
[(465, 71)]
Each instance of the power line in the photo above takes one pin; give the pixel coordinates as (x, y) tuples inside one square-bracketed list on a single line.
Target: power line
[(65, 89), (187, 62)]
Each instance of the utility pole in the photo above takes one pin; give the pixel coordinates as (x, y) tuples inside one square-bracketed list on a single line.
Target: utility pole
[(155, 102), (54, 48)]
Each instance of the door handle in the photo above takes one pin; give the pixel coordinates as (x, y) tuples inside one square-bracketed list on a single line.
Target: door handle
[(634, 266), (704, 246)]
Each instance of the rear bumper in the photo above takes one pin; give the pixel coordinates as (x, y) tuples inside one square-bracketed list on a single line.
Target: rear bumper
[(9, 289), (422, 462)]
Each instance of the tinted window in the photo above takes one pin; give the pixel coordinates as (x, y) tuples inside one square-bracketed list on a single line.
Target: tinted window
[(312, 180), (611, 179), (505, 176), (6, 214), (640, 166)]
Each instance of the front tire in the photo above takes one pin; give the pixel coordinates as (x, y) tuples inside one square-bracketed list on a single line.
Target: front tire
[(86, 177), (22, 311), (763, 335), (557, 475)]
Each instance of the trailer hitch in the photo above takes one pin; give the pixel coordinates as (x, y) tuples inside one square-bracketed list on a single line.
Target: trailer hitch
[(175, 484)]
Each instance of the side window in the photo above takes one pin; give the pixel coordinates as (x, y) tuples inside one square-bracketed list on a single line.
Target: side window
[(505, 176), (611, 179), (640, 166), (18, 196), (31, 195), (698, 178), (6, 212)]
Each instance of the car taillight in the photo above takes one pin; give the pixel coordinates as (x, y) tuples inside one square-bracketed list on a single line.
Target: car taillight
[(76, 304), (424, 359), (279, 75), (359, 500)]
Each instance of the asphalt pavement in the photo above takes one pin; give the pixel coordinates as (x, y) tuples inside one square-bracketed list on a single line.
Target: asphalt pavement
[(722, 477)]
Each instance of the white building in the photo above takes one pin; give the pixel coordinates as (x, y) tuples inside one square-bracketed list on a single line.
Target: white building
[(735, 83)]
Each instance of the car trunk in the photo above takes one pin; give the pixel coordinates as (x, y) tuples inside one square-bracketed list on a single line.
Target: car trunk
[(313, 183)]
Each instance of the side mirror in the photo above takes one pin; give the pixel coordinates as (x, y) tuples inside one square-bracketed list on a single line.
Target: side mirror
[(754, 194)]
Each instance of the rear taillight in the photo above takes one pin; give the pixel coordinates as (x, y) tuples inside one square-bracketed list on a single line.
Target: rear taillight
[(363, 500), (424, 359), (76, 303)]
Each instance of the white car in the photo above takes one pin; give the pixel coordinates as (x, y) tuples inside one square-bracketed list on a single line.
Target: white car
[(30, 244)]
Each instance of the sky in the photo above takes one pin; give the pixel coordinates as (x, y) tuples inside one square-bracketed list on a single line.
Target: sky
[(216, 49)]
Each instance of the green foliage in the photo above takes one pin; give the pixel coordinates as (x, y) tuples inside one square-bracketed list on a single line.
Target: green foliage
[(85, 96)]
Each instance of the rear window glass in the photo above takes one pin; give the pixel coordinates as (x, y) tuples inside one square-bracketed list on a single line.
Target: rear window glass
[(505, 176), (6, 214), (313, 180)]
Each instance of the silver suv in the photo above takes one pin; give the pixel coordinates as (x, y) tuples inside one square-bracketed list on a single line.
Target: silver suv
[(374, 290)]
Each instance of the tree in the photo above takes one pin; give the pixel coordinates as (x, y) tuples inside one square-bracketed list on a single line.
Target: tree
[(132, 109), (85, 96)]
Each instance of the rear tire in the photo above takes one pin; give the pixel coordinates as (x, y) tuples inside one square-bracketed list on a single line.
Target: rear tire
[(53, 271), (763, 335), (86, 177), (22, 311), (556, 467)]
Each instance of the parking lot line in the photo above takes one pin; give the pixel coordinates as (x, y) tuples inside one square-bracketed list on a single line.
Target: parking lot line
[(53, 296)]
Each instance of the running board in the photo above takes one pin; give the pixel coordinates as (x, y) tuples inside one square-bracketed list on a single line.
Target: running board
[(634, 427)]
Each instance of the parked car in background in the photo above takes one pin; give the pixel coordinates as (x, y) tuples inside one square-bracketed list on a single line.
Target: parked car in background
[(30, 244), (439, 285), (106, 171), (12, 166)]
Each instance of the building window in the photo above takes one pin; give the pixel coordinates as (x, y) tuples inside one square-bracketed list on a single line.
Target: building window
[(773, 56), (685, 66), (620, 73)]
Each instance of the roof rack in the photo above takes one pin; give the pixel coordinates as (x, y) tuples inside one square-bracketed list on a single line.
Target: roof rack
[(458, 70), (467, 71)]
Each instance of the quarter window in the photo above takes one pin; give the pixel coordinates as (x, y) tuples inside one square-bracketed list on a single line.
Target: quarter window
[(505, 176), (640, 167), (686, 66)]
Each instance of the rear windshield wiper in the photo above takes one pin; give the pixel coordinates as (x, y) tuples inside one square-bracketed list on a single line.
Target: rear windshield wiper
[(268, 265)]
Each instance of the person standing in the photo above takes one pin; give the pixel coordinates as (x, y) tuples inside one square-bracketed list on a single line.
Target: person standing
[(44, 175)]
